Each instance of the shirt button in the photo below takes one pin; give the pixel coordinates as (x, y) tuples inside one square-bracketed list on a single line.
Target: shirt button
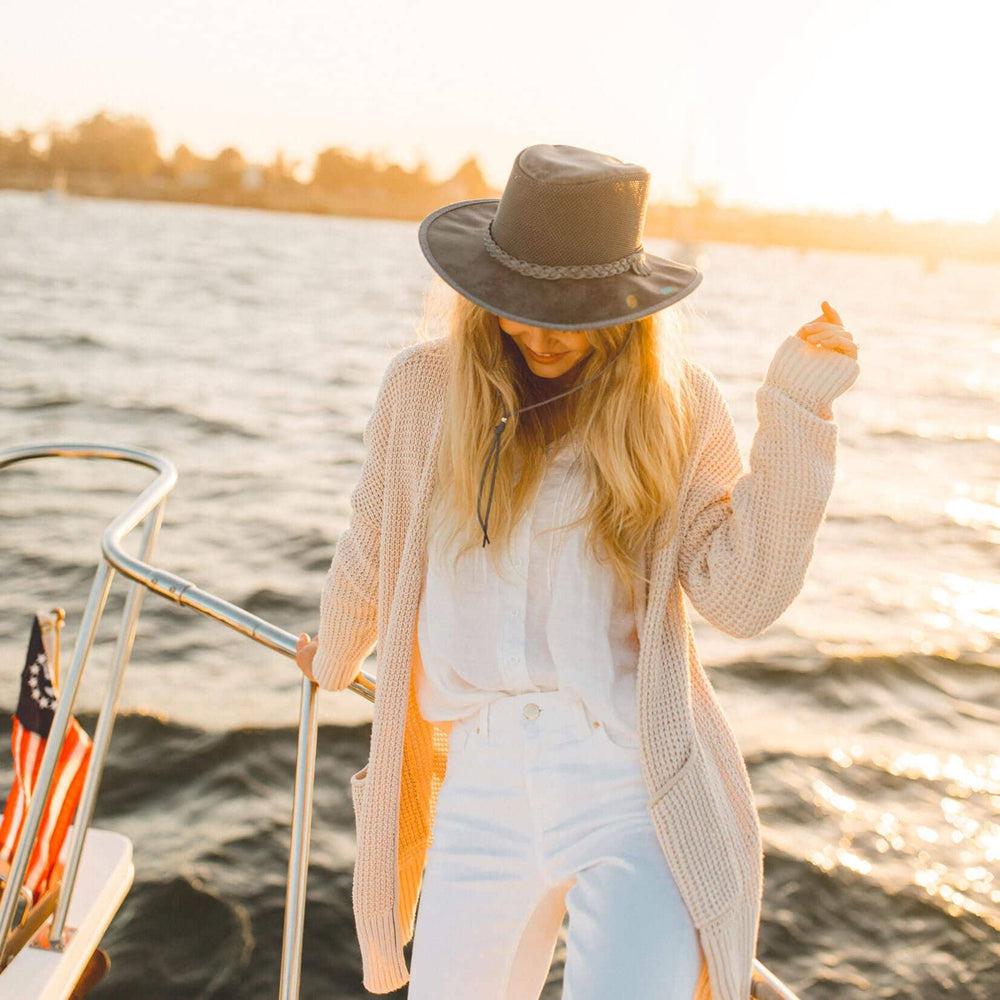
[(531, 710)]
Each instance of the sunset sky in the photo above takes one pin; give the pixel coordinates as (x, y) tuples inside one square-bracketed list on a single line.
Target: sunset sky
[(853, 105)]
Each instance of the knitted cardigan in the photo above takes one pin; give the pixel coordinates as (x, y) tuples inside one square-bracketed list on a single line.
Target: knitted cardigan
[(741, 551)]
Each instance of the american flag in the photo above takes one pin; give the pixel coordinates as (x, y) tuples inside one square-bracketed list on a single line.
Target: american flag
[(29, 730)]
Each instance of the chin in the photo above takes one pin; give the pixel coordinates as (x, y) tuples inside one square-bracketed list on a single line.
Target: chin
[(545, 371)]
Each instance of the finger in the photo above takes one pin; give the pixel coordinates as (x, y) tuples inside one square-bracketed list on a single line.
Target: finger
[(826, 337), (821, 336), (841, 343), (820, 325), (830, 331), (303, 637), (816, 334), (849, 348), (830, 312)]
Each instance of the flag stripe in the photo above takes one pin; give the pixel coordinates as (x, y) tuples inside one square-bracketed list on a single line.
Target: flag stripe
[(29, 728), (63, 799)]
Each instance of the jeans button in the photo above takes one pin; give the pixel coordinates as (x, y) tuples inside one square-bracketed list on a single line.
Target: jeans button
[(531, 710)]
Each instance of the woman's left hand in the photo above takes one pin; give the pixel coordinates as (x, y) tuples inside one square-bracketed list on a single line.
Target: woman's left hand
[(827, 331)]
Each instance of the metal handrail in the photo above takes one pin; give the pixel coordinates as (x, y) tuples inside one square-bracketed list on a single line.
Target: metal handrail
[(183, 592), (152, 497)]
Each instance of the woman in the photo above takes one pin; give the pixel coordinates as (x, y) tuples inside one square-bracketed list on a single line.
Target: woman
[(540, 707)]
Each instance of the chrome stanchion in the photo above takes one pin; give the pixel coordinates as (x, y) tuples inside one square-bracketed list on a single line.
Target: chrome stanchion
[(298, 857), (102, 734)]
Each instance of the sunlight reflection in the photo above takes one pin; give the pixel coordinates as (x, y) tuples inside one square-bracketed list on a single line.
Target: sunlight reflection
[(979, 381), (826, 794), (950, 854), (971, 514), (928, 765), (972, 602)]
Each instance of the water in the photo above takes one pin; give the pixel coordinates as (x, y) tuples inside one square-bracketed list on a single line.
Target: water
[(248, 347)]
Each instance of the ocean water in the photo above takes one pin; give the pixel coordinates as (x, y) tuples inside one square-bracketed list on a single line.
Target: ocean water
[(248, 346)]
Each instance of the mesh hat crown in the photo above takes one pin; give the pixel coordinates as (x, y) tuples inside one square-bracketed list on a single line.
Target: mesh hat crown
[(562, 247)]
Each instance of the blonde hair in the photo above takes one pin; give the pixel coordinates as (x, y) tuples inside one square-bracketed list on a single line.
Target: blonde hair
[(633, 424)]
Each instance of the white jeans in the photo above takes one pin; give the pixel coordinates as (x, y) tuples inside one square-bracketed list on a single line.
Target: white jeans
[(541, 813)]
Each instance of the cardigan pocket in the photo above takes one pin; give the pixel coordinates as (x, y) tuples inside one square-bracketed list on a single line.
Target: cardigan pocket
[(357, 791), (693, 823)]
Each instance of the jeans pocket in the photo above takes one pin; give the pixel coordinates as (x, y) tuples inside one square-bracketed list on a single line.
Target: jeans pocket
[(460, 736), (601, 732)]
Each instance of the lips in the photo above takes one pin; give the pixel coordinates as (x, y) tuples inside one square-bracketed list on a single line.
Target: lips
[(543, 359)]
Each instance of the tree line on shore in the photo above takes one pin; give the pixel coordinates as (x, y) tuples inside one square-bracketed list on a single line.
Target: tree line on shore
[(118, 156)]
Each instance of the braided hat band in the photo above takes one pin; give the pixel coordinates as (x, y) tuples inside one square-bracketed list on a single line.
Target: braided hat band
[(635, 262)]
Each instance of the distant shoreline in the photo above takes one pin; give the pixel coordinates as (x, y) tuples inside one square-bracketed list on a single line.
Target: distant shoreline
[(704, 221), (118, 156)]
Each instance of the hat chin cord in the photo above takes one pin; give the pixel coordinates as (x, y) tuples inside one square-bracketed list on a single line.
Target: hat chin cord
[(494, 453)]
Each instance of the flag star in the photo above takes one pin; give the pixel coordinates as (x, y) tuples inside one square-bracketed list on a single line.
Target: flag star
[(34, 667), (32, 682)]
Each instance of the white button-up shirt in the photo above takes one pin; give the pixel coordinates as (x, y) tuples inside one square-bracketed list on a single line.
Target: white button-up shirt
[(554, 617)]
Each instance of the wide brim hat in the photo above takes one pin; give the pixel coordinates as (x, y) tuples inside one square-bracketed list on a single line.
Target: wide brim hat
[(562, 246)]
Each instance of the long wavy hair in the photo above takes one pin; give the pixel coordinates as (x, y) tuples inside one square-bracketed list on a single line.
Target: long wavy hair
[(633, 425)]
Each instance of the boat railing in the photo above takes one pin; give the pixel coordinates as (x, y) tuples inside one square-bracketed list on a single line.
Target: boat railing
[(148, 508)]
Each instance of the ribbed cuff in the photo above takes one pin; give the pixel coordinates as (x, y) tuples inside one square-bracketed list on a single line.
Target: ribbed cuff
[(384, 965), (327, 677), (728, 944), (813, 376)]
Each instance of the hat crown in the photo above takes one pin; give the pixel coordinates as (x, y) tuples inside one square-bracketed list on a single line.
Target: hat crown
[(565, 205)]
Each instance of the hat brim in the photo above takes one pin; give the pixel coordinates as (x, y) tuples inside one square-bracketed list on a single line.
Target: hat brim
[(451, 239)]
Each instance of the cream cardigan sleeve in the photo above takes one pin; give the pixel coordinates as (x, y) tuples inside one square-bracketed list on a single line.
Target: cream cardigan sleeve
[(748, 536), (347, 620)]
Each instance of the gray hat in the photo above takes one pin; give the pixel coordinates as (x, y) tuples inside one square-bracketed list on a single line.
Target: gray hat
[(562, 246)]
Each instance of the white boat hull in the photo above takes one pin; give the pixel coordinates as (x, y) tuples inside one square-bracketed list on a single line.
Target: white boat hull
[(103, 880)]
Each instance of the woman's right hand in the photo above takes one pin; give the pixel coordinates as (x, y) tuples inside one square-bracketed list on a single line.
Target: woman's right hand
[(816, 364), (305, 652)]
